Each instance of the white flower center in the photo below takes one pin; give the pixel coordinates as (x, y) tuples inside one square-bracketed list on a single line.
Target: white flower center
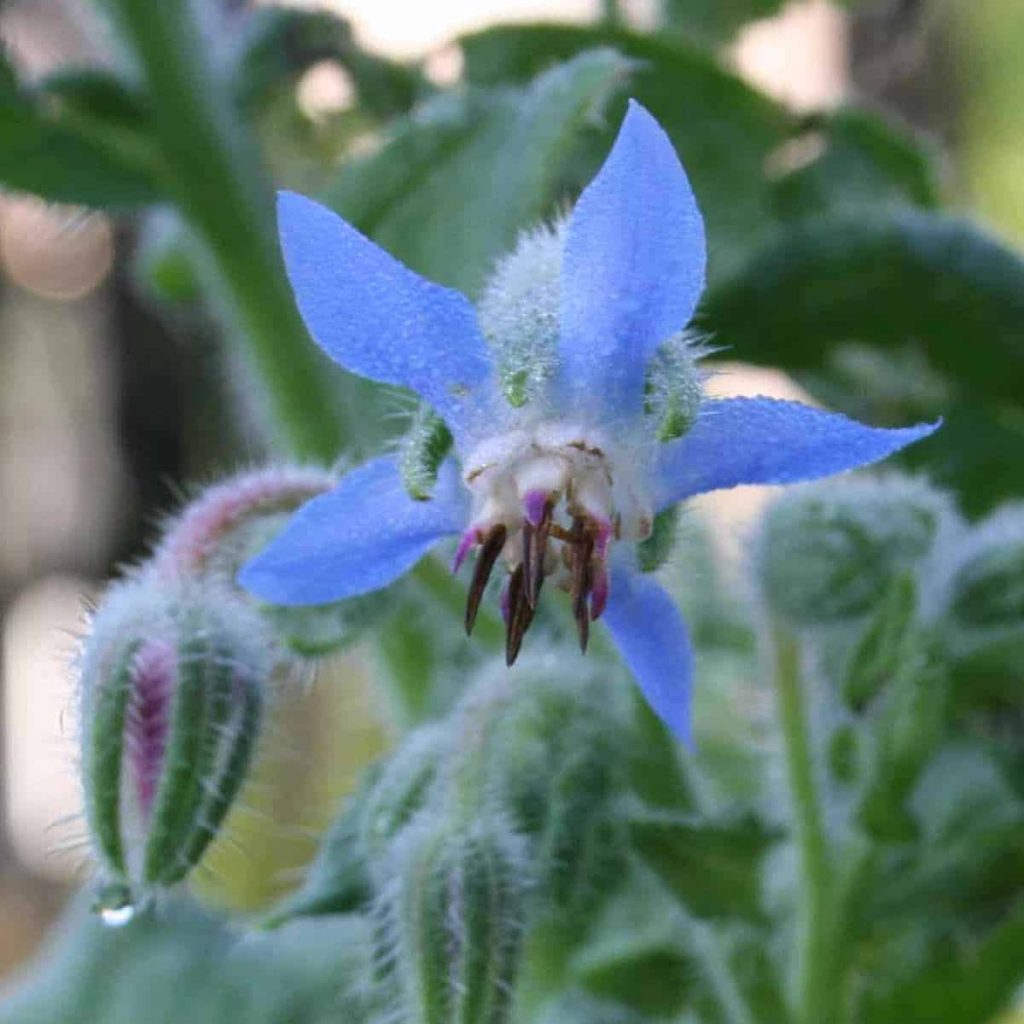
[(549, 499)]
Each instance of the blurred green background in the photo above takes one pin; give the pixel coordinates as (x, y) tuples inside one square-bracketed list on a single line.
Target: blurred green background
[(112, 393)]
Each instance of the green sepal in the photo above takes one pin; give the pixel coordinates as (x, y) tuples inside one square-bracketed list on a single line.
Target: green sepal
[(237, 741), (102, 763), (201, 707), (674, 388), (423, 449), (653, 552)]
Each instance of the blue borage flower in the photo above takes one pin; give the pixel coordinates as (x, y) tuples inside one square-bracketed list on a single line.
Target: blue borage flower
[(563, 488)]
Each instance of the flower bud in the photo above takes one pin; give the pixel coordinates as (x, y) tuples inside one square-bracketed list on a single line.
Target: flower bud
[(556, 758), (173, 683), (224, 525), (675, 387), (830, 551), (987, 581), (520, 312), (454, 914), (230, 522), (401, 789), (984, 615)]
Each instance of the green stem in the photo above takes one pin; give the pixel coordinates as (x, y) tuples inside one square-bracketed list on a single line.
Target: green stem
[(215, 171), (817, 991)]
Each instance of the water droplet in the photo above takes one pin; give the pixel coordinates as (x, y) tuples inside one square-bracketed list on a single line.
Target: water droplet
[(117, 917)]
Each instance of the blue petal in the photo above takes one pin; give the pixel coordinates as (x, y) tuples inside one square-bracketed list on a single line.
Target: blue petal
[(375, 316), (655, 644), (356, 538), (768, 441), (633, 267)]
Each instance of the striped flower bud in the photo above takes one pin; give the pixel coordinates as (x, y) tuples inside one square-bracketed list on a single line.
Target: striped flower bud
[(454, 918), (216, 532), (173, 682), (830, 551)]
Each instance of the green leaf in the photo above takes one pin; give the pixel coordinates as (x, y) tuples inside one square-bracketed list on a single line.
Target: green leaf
[(860, 160), (966, 986), (712, 866), (65, 158), (180, 964), (724, 131), (455, 183), (882, 280)]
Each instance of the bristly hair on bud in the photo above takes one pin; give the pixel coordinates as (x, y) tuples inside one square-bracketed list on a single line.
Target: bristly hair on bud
[(173, 683), (453, 919), (519, 312), (219, 529)]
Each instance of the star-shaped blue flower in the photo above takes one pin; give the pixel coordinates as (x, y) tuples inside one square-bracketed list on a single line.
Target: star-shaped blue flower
[(563, 488)]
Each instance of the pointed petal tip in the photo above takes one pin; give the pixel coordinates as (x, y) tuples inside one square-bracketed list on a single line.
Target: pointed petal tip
[(761, 440)]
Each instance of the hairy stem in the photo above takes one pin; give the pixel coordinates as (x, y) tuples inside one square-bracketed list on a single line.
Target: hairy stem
[(817, 992), (215, 172)]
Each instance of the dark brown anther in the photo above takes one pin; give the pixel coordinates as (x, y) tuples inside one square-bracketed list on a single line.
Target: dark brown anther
[(581, 550), (583, 626), (489, 551), (520, 614), (535, 547)]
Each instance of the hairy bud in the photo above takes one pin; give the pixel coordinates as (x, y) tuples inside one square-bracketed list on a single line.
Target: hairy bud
[(229, 522), (454, 913), (216, 532), (520, 311), (987, 585), (173, 683), (830, 551), (556, 760), (983, 623)]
